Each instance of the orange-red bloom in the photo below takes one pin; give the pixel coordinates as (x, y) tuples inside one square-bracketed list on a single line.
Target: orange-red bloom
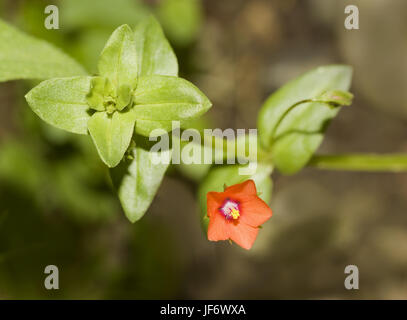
[(236, 214)]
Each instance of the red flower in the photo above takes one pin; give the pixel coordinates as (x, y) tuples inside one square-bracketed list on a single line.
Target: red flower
[(236, 214)]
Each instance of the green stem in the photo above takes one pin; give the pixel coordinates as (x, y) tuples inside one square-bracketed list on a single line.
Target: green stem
[(396, 162)]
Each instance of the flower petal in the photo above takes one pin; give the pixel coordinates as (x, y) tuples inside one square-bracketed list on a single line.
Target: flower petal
[(243, 234), (241, 191), (214, 201), (219, 227), (254, 212)]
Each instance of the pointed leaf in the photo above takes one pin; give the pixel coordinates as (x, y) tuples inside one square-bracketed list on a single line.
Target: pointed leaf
[(155, 57), (137, 181), (166, 98), (111, 135), (118, 60), (294, 138), (154, 53), (62, 103), (25, 57)]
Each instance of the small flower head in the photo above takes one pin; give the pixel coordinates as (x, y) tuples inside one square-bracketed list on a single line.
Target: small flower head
[(104, 96), (236, 214)]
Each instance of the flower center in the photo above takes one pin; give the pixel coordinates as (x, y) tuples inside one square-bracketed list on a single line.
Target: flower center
[(109, 104), (230, 210)]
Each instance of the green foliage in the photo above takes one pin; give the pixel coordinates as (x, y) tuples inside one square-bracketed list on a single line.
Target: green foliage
[(154, 53), (111, 135), (111, 129), (218, 177), (118, 60), (101, 88), (155, 57), (120, 95), (293, 120), (167, 98), (138, 180), (162, 99), (137, 89), (24, 57), (62, 103), (92, 22)]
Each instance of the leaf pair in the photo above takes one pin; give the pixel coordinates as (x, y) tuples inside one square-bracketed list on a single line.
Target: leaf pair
[(133, 89)]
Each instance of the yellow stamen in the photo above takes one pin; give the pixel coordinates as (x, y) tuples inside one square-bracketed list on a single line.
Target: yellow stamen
[(235, 213)]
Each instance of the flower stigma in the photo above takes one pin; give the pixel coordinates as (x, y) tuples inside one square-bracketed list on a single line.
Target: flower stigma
[(230, 210)]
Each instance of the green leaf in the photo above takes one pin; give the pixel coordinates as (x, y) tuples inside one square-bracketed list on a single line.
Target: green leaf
[(167, 98), (62, 103), (25, 57), (111, 135), (138, 180), (218, 177), (294, 134), (155, 57), (154, 54), (124, 96), (118, 60)]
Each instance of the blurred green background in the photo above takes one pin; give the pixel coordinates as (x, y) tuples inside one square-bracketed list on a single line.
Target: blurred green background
[(56, 202)]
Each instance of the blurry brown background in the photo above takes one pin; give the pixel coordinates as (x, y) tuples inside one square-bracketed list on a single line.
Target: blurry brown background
[(323, 221)]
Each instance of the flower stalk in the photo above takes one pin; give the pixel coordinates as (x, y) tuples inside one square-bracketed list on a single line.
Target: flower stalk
[(396, 162)]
